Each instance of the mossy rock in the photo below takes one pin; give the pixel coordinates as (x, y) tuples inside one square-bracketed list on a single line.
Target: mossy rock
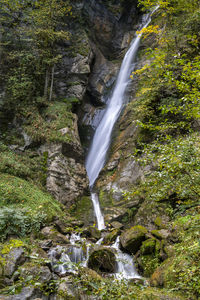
[(149, 263), (132, 238), (161, 234), (92, 232), (159, 223), (83, 210), (102, 260), (111, 237), (148, 246)]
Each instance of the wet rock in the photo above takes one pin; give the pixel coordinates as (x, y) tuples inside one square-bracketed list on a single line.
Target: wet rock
[(117, 225), (111, 237), (51, 233), (62, 226), (92, 232), (46, 245), (132, 238), (14, 258), (77, 223), (103, 260), (114, 214), (161, 234), (102, 77), (106, 29)]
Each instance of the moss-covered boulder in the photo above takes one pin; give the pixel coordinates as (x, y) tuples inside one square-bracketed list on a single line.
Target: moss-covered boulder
[(132, 238), (50, 233), (103, 260), (148, 263), (148, 246), (111, 236), (161, 234), (92, 232)]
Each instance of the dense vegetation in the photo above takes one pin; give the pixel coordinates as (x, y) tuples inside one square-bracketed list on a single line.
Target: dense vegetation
[(167, 109)]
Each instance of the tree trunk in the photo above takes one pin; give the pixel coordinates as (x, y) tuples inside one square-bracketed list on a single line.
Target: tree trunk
[(52, 80), (46, 84)]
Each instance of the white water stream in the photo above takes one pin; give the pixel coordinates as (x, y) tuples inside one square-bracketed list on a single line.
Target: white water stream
[(65, 259), (101, 141)]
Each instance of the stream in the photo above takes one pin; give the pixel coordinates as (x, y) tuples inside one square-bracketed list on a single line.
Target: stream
[(65, 259)]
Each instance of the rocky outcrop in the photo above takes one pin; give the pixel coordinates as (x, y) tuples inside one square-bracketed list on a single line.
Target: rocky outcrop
[(13, 259), (66, 175), (109, 26), (72, 71)]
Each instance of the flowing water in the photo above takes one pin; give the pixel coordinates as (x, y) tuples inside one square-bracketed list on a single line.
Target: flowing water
[(125, 266), (101, 141), (65, 259)]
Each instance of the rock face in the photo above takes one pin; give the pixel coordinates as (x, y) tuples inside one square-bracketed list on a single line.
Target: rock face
[(132, 238), (72, 72), (66, 179), (108, 26)]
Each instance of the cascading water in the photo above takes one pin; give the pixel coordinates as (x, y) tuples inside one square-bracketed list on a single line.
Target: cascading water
[(64, 259), (125, 267), (102, 137), (101, 141)]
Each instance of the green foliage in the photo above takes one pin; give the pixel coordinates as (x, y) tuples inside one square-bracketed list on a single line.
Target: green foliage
[(31, 166), (29, 33), (19, 222), (175, 174), (23, 207), (182, 273), (46, 126)]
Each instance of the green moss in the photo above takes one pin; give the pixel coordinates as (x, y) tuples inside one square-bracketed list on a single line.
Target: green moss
[(83, 210), (105, 199), (158, 222), (148, 246), (29, 165), (24, 207), (45, 127), (149, 264)]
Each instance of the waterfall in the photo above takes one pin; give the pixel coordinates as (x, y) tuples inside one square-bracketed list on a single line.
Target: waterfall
[(102, 138), (125, 267), (96, 157)]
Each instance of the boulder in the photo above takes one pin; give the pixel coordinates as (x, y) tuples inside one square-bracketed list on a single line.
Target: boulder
[(111, 236), (132, 238), (103, 260), (65, 290), (117, 225), (92, 232), (148, 246), (161, 234), (50, 233), (14, 258), (26, 293), (41, 274)]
